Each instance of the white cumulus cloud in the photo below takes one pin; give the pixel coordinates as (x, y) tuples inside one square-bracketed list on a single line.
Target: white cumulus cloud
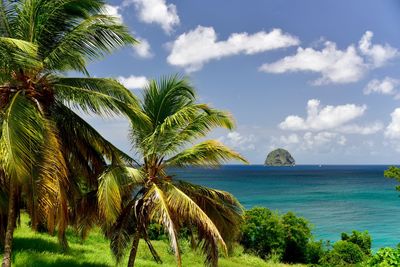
[(393, 129), (133, 82), (328, 117), (193, 49), (333, 64), (387, 86), (156, 11), (142, 49), (378, 54)]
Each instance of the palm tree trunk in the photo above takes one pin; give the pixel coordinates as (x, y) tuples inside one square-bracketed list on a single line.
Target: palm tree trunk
[(132, 254), (10, 227)]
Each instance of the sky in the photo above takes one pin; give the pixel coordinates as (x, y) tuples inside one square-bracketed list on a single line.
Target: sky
[(319, 78)]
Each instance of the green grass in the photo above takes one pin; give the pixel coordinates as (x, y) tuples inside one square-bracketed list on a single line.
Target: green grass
[(34, 249)]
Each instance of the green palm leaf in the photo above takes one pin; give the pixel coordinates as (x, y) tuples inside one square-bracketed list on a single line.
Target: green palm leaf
[(207, 153), (94, 37), (21, 138), (97, 95), (111, 183)]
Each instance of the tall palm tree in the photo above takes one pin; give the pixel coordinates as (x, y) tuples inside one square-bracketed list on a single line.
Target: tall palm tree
[(50, 157), (132, 198)]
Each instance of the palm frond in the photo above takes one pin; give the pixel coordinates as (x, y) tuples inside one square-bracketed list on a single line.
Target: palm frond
[(52, 178), (184, 208), (109, 194), (160, 212), (166, 96), (207, 153), (73, 128), (174, 137), (7, 15), (21, 137), (221, 207), (16, 53), (96, 95), (94, 37), (122, 231)]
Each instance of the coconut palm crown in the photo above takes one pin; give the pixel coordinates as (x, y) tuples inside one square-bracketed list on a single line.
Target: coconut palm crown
[(132, 198), (50, 157)]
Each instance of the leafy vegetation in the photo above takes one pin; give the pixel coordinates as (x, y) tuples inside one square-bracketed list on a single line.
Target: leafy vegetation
[(289, 239), (131, 199), (50, 157), (262, 232), (393, 172), (32, 249), (343, 253), (267, 234), (386, 257)]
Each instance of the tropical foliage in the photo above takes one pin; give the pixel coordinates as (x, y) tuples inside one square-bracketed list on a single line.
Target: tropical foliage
[(286, 237), (50, 157), (393, 172), (133, 198)]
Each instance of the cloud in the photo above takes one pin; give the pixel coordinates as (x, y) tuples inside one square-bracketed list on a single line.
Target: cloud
[(328, 117), (195, 48), (335, 65), (322, 142), (133, 82), (393, 129), (321, 139), (142, 49), (363, 130), (378, 54), (113, 11), (156, 11), (290, 139), (387, 86), (239, 141)]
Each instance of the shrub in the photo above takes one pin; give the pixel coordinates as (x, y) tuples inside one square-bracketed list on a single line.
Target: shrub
[(386, 257), (315, 251), (362, 239), (156, 232), (262, 232), (297, 236), (269, 235), (343, 253)]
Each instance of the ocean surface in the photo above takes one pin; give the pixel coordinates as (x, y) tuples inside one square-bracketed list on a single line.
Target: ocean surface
[(334, 199)]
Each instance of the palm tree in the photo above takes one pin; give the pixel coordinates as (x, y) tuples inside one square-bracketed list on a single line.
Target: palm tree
[(132, 198), (50, 157)]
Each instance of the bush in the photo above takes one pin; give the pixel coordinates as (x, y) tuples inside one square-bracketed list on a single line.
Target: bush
[(343, 253), (297, 236), (386, 257), (315, 251), (262, 232), (156, 232), (269, 235), (362, 239)]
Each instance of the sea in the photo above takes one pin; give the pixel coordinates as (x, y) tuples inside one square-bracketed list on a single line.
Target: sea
[(333, 198)]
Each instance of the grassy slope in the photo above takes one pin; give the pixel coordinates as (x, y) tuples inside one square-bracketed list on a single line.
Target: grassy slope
[(34, 249)]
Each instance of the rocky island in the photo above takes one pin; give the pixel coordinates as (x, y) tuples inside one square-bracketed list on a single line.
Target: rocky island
[(279, 157)]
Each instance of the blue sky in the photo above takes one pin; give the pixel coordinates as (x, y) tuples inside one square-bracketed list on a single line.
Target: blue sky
[(320, 78)]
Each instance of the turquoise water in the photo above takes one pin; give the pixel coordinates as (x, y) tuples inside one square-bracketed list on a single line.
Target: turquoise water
[(334, 199)]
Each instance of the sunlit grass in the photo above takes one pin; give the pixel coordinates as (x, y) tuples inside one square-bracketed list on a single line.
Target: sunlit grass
[(34, 249)]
